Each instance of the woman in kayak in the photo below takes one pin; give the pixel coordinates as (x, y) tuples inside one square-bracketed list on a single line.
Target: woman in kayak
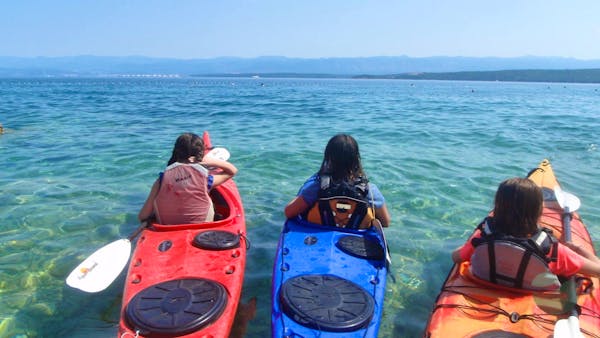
[(518, 206), (181, 194), (341, 173)]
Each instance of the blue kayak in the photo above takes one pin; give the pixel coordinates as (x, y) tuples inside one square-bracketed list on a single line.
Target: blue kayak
[(327, 281)]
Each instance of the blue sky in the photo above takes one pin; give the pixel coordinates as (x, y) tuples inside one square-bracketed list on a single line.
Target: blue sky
[(189, 29)]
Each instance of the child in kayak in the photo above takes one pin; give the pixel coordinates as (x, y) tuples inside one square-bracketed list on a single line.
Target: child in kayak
[(518, 206), (341, 173), (181, 194)]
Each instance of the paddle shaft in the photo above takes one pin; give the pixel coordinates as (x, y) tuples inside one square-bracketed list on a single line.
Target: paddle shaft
[(571, 291), (566, 218), (138, 230)]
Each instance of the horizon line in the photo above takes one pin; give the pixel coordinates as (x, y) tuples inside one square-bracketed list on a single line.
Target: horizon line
[(297, 57)]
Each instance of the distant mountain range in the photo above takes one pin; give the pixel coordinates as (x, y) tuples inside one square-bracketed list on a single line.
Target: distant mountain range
[(388, 67)]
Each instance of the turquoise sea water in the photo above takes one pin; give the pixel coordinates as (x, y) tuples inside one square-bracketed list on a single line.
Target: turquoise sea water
[(78, 157)]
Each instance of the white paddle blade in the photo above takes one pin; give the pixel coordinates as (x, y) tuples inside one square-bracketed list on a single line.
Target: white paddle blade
[(572, 201), (574, 327), (99, 270), (561, 329), (219, 153), (567, 328), (566, 199)]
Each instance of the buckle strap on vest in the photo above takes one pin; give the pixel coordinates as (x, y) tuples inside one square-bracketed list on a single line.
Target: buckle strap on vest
[(508, 260), (522, 268), (542, 242), (345, 201), (325, 181), (492, 263)]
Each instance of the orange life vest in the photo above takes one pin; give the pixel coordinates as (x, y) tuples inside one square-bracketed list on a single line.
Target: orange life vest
[(343, 204)]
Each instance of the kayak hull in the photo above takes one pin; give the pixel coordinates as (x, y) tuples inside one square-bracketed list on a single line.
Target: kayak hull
[(470, 307), (185, 280), (327, 282)]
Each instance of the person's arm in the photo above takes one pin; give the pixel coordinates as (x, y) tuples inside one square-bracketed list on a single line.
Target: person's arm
[(381, 211), (591, 263), (305, 199), (464, 252), (228, 170), (148, 208), (590, 267), (297, 206), (456, 255), (383, 215)]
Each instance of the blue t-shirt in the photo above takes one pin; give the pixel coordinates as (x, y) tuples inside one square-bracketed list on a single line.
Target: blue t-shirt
[(310, 192)]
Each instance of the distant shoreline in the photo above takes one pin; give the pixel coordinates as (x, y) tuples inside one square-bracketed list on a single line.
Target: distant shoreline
[(533, 75), (583, 76), (521, 69)]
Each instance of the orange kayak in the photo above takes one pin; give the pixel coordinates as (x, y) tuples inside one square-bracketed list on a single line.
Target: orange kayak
[(470, 307)]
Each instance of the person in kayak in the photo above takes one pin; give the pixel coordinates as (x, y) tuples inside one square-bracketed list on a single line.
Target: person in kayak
[(340, 194), (181, 194), (518, 206)]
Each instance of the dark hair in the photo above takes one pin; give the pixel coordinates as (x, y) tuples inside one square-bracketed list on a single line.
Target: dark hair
[(341, 159), (187, 145), (517, 207)]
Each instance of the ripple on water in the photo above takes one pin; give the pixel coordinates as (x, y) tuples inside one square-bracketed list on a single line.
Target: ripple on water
[(81, 156)]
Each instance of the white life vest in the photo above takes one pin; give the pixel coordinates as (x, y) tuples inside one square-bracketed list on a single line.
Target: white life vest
[(183, 195), (515, 262)]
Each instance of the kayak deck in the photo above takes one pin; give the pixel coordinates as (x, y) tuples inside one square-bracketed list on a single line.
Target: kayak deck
[(327, 282), (470, 307)]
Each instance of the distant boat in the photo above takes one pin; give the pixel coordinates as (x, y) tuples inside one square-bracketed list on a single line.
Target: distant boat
[(256, 77)]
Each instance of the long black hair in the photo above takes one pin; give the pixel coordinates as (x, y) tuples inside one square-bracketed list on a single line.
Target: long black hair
[(187, 145), (518, 206), (341, 159)]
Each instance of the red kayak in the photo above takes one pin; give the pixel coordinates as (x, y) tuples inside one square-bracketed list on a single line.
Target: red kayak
[(185, 280)]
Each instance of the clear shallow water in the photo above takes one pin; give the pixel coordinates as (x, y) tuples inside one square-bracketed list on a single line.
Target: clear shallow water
[(78, 157)]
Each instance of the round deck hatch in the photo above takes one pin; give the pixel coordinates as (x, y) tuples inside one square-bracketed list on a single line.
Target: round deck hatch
[(326, 302), (176, 307)]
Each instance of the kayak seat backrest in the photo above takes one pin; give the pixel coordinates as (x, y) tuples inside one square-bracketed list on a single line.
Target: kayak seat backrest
[(506, 263)]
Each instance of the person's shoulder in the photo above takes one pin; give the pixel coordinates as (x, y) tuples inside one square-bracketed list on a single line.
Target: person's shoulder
[(312, 183), (374, 188), (314, 178)]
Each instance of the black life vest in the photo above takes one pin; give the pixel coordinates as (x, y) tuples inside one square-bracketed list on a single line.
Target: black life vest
[(343, 204), (515, 261)]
